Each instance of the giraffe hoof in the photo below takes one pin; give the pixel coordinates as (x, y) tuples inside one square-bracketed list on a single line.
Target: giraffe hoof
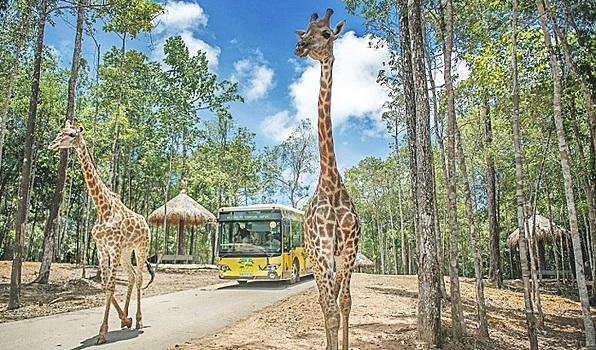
[(139, 325), (101, 339), (126, 323)]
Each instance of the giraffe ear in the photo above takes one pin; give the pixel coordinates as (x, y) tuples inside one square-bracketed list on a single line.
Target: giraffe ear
[(80, 130), (300, 34), (338, 28), (67, 124)]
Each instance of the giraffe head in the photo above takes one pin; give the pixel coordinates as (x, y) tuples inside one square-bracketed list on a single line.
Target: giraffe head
[(317, 40), (68, 137)]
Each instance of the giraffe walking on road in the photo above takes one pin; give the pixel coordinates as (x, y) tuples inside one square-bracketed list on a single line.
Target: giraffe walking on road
[(118, 232), (331, 223)]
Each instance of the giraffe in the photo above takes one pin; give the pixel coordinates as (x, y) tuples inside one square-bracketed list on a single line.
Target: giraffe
[(331, 224), (118, 231)]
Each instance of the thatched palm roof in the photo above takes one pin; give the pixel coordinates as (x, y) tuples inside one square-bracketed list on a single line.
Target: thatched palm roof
[(181, 208), (543, 231), (363, 261)]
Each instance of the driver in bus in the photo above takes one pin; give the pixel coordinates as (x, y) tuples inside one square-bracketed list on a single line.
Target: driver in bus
[(272, 242)]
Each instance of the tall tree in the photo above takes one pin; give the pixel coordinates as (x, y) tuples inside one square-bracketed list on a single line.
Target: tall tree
[(291, 161), (523, 255), (52, 222), (126, 18), (24, 193), (429, 301), (24, 27), (458, 328), (567, 181)]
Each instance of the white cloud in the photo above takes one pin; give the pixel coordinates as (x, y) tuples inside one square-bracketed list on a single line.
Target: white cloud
[(355, 93), (183, 19), (180, 16), (278, 127), (254, 76)]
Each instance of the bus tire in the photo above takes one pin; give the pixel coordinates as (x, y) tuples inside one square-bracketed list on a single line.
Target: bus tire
[(295, 272)]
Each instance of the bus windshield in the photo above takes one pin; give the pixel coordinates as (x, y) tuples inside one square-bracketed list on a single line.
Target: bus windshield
[(250, 238)]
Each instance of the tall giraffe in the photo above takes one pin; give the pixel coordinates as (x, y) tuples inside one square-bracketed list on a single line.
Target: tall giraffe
[(331, 223), (118, 231)]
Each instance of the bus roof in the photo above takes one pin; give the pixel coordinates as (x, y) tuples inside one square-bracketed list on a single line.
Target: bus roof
[(267, 206)]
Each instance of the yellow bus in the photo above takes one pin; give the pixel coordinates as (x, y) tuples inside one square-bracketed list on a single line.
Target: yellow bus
[(261, 242)]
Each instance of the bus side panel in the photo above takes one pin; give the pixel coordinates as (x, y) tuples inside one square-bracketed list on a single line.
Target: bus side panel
[(305, 265)]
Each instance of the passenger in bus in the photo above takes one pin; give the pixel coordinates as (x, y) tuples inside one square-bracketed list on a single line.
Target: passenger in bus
[(242, 234)]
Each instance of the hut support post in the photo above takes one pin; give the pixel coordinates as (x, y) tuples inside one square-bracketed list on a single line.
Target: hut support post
[(181, 237)]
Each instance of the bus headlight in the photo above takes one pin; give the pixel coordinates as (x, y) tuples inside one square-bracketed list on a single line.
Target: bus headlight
[(272, 267), (223, 268)]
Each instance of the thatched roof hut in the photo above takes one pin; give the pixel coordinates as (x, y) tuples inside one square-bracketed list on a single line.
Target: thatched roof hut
[(543, 231), (182, 211), (363, 261)]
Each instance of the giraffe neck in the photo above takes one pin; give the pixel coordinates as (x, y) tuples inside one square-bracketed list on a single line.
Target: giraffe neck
[(101, 194), (329, 173)]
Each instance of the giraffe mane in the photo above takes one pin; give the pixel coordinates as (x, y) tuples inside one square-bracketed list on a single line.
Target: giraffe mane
[(91, 156)]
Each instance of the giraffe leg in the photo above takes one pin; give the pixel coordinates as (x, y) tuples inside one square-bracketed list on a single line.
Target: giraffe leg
[(104, 265), (325, 283), (109, 286), (125, 321), (345, 306), (140, 257), (103, 330)]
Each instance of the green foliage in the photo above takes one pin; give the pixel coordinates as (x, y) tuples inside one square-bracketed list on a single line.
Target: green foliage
[(131, 16)]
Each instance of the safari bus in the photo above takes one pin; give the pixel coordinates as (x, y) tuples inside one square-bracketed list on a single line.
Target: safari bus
[(261, 242)]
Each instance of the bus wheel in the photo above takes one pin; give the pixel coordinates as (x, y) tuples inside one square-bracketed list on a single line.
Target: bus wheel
[(242, 281), (295, 272)]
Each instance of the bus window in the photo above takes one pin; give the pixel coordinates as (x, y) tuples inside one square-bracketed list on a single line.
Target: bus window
[(225, 237), (297, 236), (286, 234)]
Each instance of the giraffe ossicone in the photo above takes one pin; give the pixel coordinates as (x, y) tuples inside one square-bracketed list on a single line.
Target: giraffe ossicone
[(118, 232), (331, 224)]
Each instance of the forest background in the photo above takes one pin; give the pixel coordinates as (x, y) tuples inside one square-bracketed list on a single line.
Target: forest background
[(145, 122)]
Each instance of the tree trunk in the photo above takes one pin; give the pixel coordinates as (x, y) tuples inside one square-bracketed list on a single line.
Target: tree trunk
[(23, 207), (379, 223), (534, 245), (495, 271), (569, 195), (523, 255), (429, 301), (478, 270), (115, 159), (439, 139), (402, 228)]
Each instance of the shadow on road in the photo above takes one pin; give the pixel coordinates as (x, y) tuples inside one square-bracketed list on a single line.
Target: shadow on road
[(112, 337), (266, 285)]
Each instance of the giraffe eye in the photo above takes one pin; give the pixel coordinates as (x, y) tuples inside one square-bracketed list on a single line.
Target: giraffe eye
[(72, 134), (326, 35)]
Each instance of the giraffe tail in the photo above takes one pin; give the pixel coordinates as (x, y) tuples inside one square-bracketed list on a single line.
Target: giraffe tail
[(151, 272)]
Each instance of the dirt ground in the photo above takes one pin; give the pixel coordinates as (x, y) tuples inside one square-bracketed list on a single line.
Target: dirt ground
[(383, 312)]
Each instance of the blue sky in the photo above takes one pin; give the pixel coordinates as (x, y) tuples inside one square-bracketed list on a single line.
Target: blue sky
[(252, 42)]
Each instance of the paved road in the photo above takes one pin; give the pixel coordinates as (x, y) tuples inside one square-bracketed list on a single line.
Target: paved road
[(168, 319)]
